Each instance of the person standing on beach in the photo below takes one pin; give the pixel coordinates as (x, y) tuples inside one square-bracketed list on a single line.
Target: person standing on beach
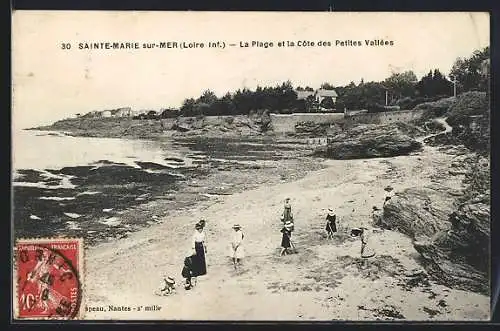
[(237, 250), (188, 272), (366, 250), (389, 193), (286, 237), (199, 249), (287, 215), (331, 225)]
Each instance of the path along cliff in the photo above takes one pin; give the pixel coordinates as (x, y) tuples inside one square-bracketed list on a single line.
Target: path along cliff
[(325, 280), (450, 225)]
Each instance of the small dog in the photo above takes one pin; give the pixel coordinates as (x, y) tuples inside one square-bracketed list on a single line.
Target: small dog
[(168, 286)]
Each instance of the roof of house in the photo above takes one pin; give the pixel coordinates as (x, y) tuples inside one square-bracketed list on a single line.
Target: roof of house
[(326, 93)]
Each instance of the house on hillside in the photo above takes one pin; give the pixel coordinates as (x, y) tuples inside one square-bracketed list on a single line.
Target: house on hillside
[(93, 114), (106, 113), (319, 96), (322, 94), (122, 112)]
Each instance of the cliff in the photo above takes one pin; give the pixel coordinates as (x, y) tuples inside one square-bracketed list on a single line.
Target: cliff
[(449, 228), (371, 140)]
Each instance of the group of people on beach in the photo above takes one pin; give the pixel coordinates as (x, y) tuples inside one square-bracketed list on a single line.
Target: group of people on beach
[(287, 245), (195, 264)]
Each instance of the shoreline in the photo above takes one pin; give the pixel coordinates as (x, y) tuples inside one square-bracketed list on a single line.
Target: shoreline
[(353, 186), (211, 169)]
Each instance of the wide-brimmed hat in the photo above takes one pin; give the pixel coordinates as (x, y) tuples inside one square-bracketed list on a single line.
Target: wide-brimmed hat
[(331, 211), (356, 232), (236, 226), (388, 188), (170, 280), (288, 224)]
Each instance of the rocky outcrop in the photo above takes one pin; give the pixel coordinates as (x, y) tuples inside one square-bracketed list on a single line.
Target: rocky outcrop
[(460, 257), (454, 242), (371, 140), (312, 129), (229, 125), (418, 212)]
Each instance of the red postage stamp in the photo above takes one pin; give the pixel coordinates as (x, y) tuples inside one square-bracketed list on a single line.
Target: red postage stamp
[(49, 278)]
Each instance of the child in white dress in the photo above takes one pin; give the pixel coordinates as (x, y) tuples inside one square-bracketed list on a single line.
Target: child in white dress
[(237, 249)]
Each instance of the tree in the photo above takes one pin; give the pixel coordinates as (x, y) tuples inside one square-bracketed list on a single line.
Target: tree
[(468, 72), (327, 103), (434, 84), (311, 104), (187, 108), (207, 97), (327, 86), (401, 84)]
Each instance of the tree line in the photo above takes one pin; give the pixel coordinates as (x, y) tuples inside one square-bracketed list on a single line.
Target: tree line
[(403, 90)]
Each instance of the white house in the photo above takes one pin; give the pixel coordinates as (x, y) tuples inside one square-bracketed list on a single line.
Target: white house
[(122, 112), (319, 95), (322, 94), (106, 113)]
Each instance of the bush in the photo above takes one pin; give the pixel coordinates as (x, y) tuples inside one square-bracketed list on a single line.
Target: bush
[(470, 119), (375, 108), (466, 105), (411, 103), (435, 109)]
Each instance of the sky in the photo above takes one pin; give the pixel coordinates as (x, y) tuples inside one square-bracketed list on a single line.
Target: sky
[(50, 83)]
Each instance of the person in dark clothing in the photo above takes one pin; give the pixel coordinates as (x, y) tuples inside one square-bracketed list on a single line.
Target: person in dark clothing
[(199, 250), (285, 239), (188, 273), (331, 223)]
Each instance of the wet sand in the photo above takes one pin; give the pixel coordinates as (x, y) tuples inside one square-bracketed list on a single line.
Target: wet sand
[(106, 200)]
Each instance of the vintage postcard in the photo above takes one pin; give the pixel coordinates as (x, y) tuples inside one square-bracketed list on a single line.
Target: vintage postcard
[(250, 166)]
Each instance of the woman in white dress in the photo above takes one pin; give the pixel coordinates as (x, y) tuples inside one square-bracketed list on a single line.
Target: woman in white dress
[(237, 249)]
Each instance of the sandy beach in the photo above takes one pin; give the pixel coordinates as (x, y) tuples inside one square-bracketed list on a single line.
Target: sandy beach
[(323, 281)]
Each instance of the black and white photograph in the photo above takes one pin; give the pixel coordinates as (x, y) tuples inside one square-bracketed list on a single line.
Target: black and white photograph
[(251, 166)]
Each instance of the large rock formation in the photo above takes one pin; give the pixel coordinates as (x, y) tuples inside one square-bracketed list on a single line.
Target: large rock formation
[(418, 212), (460, 257), (312, 129), (454, 242), (371, 140), (228, 125)]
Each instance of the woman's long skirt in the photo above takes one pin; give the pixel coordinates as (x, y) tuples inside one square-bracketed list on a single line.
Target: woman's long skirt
[(199, 263), (331, 226), (285, 240)]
